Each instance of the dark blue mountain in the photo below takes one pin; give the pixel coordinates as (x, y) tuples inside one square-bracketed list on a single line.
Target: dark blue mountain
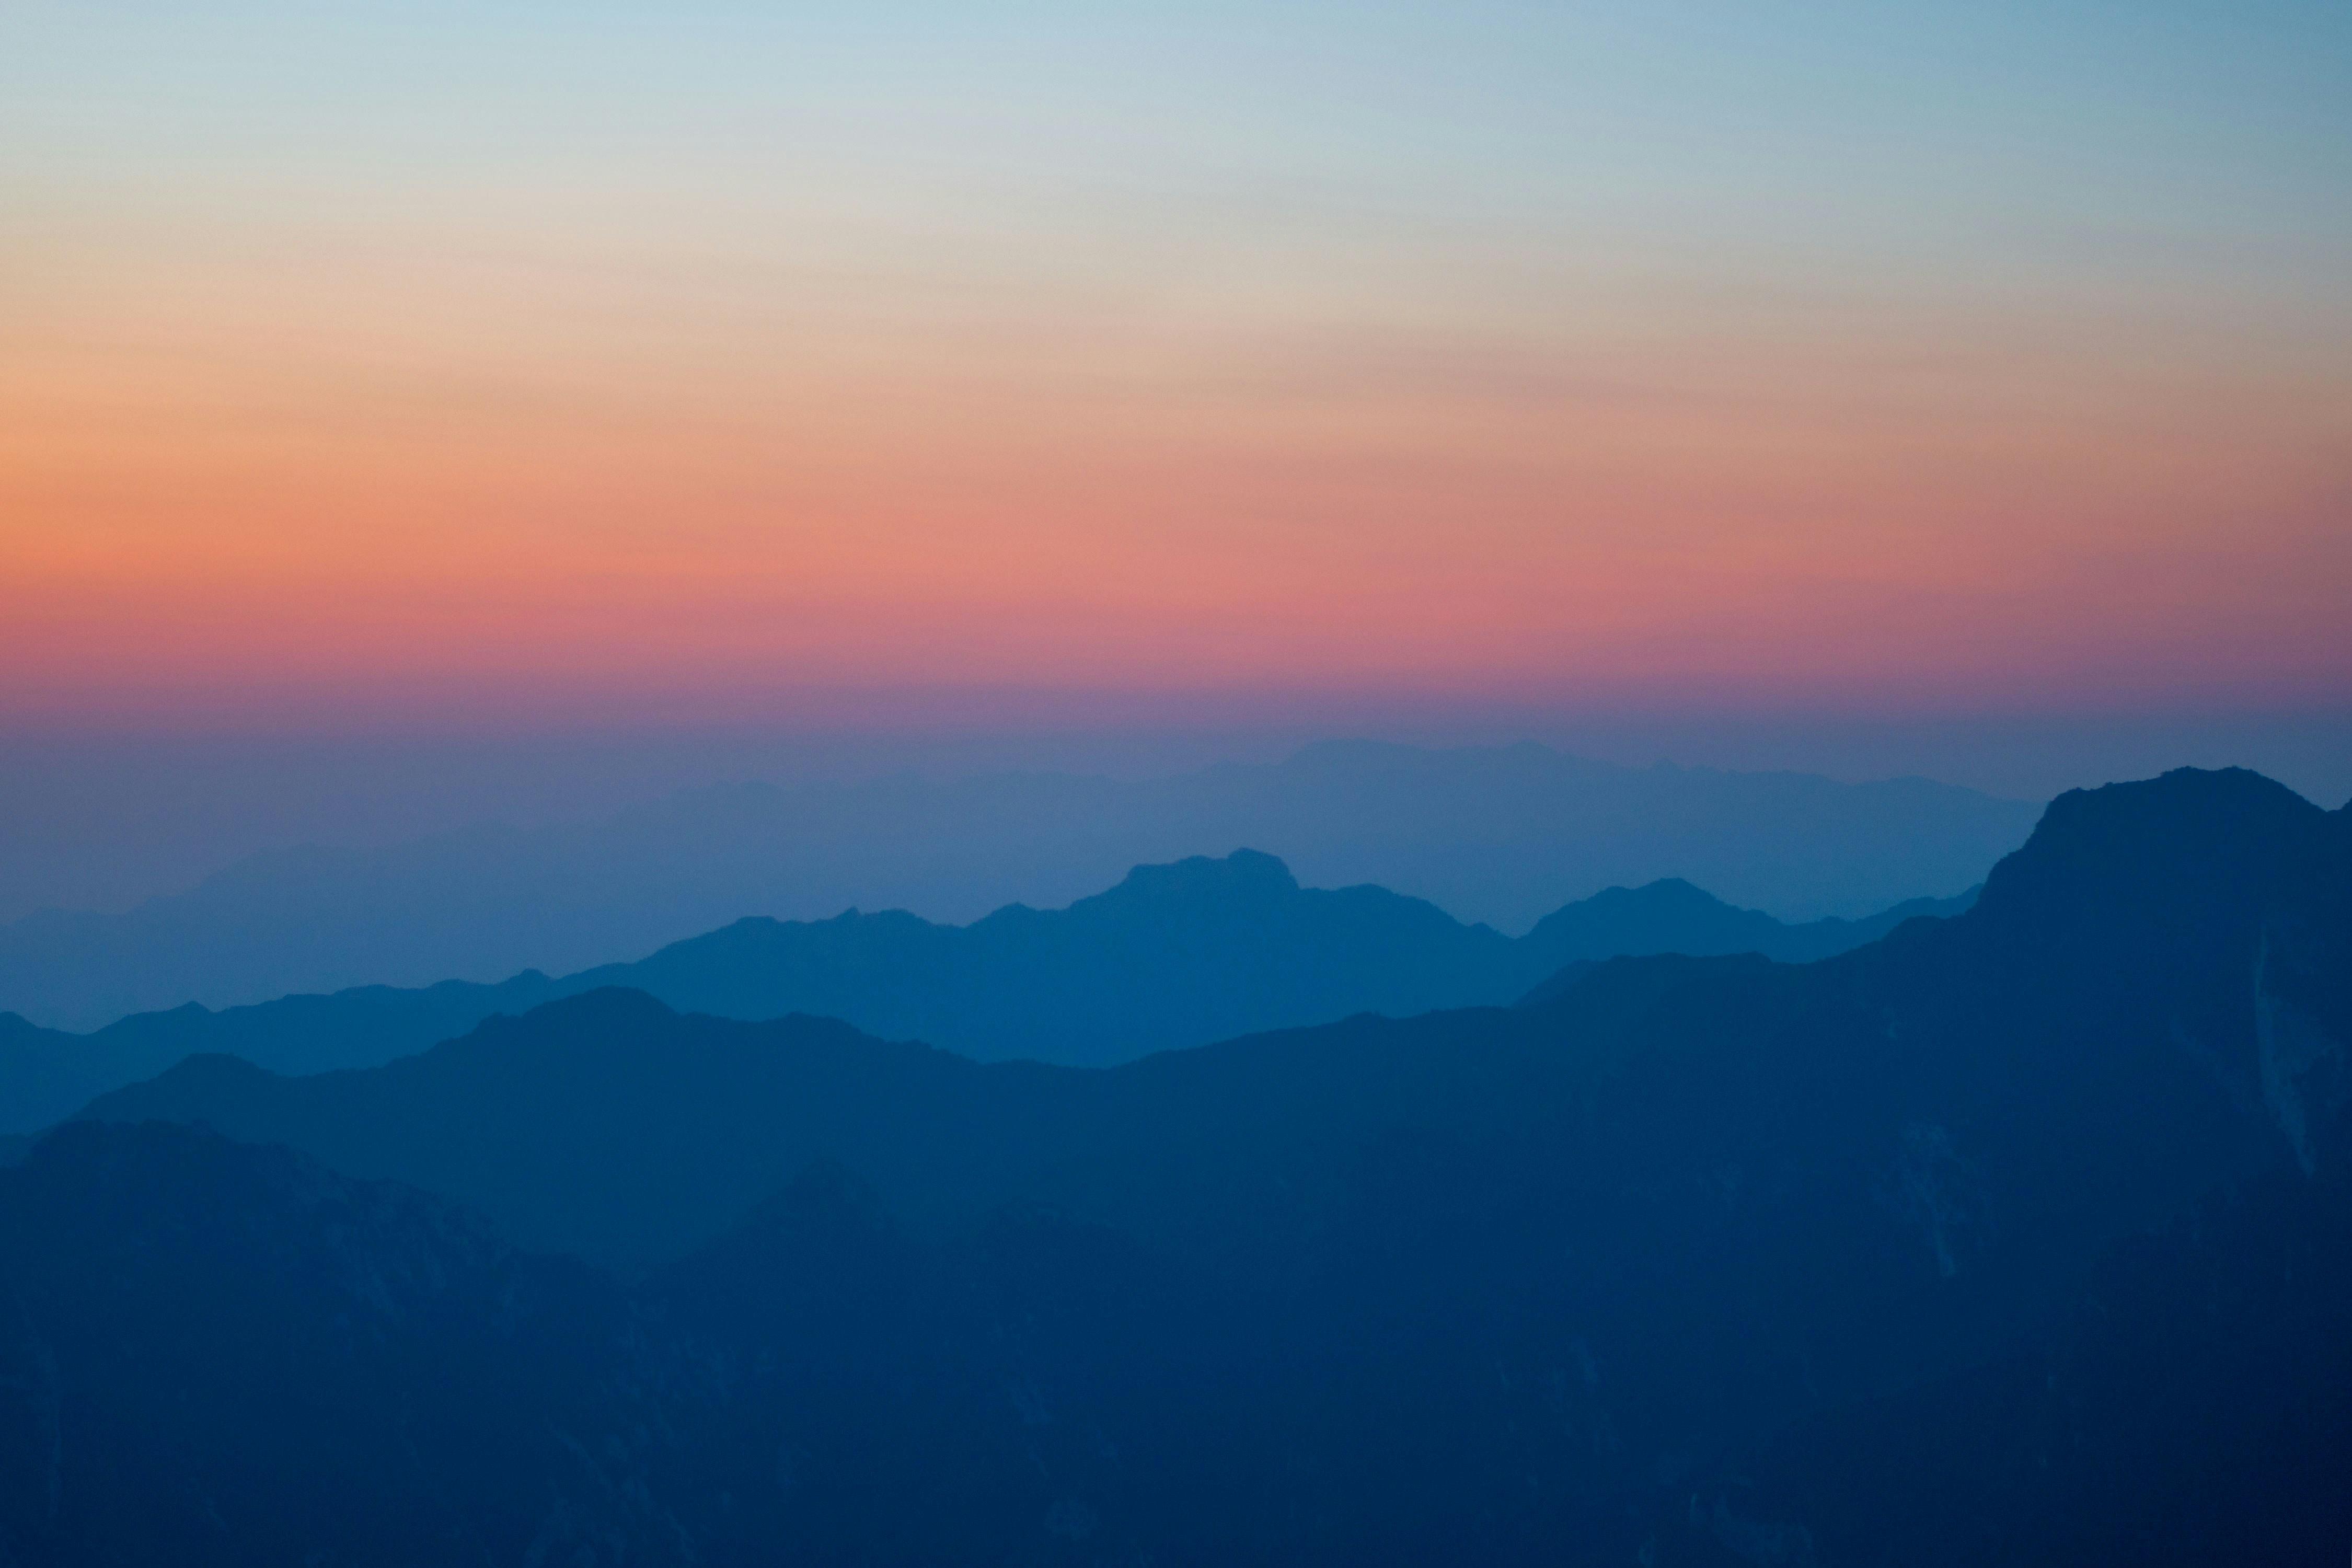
[(1497, 834), (214, 1353), (2017, 1237), (1174, 955)]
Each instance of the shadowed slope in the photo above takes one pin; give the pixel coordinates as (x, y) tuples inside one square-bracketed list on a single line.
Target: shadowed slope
[(217, 1353)]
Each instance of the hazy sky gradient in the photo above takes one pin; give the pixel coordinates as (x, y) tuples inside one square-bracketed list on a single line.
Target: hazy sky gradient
[(736, 363)]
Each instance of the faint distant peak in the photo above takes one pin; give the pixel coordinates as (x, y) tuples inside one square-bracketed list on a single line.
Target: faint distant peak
[(1666, 892), (1245, 871), (1395, 756)]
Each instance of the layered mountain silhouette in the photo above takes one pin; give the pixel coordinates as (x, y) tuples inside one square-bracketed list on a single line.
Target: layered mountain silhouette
[(1499, 836), (1175, 955), (2019, 1236)]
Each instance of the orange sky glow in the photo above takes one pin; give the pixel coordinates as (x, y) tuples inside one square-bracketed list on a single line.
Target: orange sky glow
[(528, 445)]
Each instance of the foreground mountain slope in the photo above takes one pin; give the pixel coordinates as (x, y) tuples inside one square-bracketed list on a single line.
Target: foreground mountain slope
[(1501, 835), (217, 1352), (1600, 1279), (2196, 1409), (2197, 1406), (1174, 955), (214, 1353)]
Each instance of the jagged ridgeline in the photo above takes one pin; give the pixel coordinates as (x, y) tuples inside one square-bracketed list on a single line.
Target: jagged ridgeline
[(2020, 1236), (1175, 955), (1502, 834)]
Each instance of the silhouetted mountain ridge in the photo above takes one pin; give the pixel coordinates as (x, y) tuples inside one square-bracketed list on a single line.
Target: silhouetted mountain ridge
[(1498, 834), (1173, 955), (1940, 1251), (1927, 979)]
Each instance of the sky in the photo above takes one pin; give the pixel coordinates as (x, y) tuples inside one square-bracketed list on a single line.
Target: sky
[(365, 367)]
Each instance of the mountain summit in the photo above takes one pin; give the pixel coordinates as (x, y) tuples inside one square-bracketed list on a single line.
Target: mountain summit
[(1174, 955), (1498, 834)]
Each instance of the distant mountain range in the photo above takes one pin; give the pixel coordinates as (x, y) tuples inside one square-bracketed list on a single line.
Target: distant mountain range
[(2019, 1238), (1175, 955), (1498, 835)]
